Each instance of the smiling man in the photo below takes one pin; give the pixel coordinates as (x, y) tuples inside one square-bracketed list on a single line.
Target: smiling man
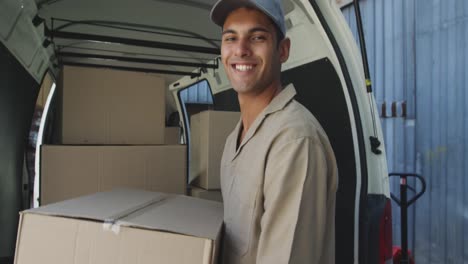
[(278, 171)]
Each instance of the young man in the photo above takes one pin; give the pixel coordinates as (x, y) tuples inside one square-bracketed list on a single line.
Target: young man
[(278, 171)]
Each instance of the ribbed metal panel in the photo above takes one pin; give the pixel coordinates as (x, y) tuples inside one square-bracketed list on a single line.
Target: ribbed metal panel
[(441, 49), (418, 55)]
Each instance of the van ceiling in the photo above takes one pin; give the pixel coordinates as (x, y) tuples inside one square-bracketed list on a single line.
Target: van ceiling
[(172, 36)]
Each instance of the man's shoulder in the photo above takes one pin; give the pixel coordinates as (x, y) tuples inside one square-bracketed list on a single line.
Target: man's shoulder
[(297, 121)]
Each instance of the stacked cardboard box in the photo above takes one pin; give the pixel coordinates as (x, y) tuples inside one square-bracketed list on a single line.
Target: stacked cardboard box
[(113, 134), (172, 136), (72, 171), (104, 106), (122, 226), (208, 133), (213, 195), (44, 91)]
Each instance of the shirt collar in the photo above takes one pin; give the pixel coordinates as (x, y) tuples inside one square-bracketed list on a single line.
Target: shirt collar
[(281, 100), (278, 103)]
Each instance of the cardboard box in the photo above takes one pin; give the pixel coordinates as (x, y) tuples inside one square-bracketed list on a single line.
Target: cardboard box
[(205, 194), (121, 226), (104, 106), (208, 133), (72, 171), (172, 136), (44, 91)]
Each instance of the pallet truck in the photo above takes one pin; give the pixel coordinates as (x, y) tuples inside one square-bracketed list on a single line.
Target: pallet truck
[(402, 255)]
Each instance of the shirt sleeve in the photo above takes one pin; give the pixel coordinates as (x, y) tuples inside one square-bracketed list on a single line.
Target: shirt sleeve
[(297, 225)]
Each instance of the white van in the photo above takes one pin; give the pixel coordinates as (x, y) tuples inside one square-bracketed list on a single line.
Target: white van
[(177, 40)]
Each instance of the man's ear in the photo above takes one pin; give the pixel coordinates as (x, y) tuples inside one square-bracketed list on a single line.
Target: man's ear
[(284, 47)]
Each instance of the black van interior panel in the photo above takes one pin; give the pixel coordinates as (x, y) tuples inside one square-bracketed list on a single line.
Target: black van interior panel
[(18, 94), (319, 89)]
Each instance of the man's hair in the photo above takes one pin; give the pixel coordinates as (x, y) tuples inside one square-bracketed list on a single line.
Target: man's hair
[(279, 34)]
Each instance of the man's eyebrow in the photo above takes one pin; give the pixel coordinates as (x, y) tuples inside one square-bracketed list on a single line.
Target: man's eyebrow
[(228, 31), (261, 29), (252, 30)]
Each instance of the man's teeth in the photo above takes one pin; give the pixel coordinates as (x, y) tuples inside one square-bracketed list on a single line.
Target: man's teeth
[(244, 67)]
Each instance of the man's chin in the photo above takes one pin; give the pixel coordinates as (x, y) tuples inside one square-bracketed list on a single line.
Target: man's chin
[(242, 89)]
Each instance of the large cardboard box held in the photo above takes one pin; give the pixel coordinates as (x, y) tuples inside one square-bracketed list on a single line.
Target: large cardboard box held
[(104, 106), (72, 171), (208, 133), (121, 226)]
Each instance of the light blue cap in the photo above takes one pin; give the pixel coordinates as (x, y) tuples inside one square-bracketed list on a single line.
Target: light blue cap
[(271, 8)]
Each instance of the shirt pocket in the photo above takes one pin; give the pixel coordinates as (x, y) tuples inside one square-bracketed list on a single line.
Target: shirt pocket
[(240, 219)]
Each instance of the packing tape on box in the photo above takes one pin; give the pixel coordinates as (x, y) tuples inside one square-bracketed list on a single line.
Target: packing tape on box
[(129, 211), (111, 223), (109, 226)]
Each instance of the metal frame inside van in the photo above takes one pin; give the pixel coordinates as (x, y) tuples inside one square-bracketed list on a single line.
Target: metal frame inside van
[(325, 66)]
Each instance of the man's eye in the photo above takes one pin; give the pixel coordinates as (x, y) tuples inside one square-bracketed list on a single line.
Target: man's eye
[(229, 39), (258, 38)]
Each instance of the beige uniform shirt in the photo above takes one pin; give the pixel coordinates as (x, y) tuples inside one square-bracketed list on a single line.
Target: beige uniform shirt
[(279, 189)]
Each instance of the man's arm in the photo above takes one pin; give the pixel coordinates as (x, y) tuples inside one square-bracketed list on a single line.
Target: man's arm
[(295, 226)]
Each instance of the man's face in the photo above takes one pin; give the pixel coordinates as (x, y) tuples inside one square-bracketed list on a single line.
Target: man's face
[(249, 51)]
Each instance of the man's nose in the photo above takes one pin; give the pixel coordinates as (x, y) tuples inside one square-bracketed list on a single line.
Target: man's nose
[(243, 48)]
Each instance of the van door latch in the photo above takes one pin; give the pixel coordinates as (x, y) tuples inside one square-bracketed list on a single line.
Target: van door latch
[(375, 144)]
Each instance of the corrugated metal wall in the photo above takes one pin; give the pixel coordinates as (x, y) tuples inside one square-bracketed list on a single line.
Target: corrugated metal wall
[(418, 54)]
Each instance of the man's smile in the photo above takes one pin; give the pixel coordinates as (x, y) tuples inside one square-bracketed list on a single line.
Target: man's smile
[(243, 67)]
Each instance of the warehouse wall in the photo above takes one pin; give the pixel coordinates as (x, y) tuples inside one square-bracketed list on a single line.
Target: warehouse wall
[(418, 58)]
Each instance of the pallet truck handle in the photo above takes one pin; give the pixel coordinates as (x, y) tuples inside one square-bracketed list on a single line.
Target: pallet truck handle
[(403, 177), (404, 204)]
